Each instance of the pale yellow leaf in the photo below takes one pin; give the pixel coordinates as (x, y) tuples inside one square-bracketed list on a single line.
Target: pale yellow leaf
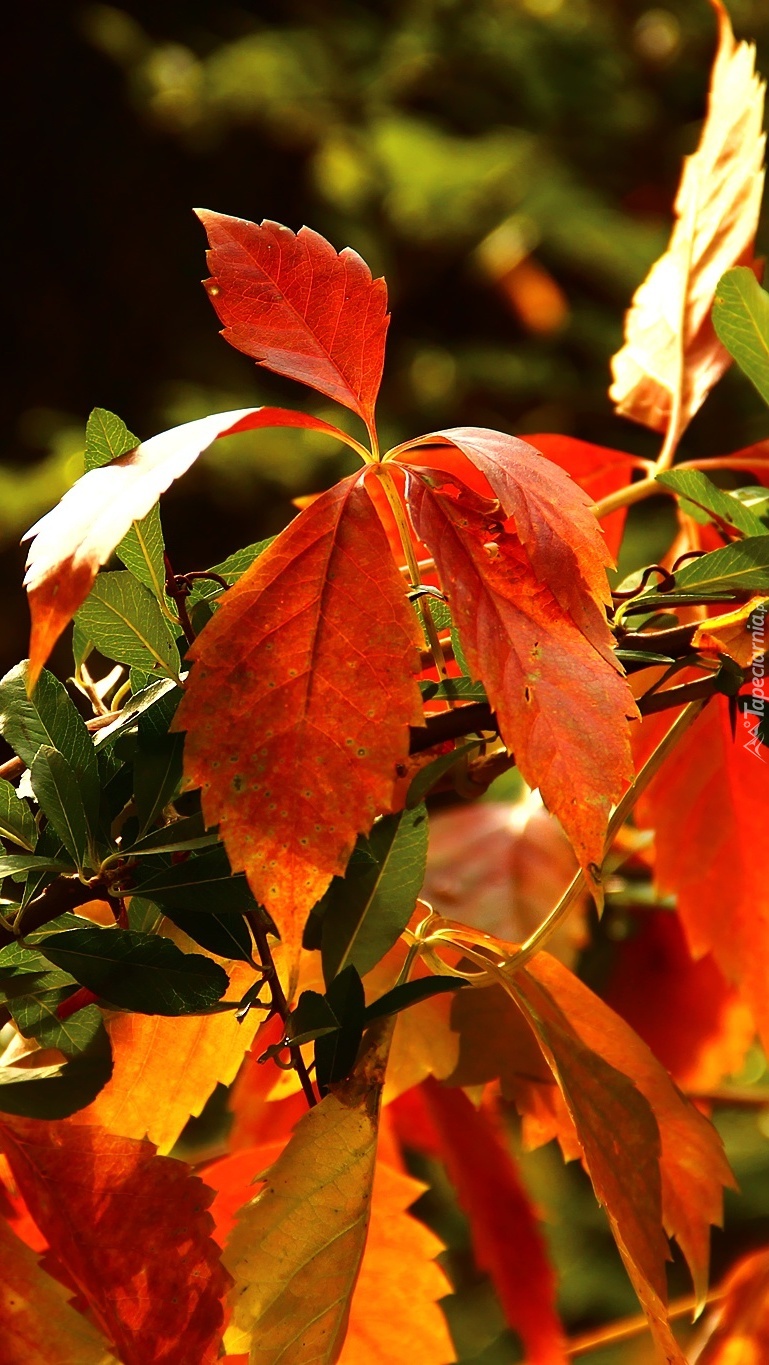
[(671, 357), (730, 633), (296, 1250)]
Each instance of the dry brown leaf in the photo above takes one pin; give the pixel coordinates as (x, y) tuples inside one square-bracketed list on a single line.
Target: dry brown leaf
[(671, 357)]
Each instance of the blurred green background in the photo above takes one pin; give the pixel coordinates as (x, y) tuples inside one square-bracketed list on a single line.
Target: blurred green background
[(509, 165)]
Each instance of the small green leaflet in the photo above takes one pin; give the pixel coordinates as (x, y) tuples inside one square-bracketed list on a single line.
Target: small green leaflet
[(336, 1053), (411, 993), (368, 909), (125, 623), (741, 320), (54, 1092), (49, 717), (180, 835), (204, 882), (18, 864), (56, 787), (458, 689), (742, 567), (141, 701), (697, 488), (142, 549), (33, 997), (134, 971), (17, 822)]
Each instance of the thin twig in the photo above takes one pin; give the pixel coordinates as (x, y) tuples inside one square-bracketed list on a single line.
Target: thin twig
[(278, 1000)]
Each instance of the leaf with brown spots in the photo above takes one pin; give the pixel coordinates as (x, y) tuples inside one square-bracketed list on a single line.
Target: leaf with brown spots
[(296, 713)]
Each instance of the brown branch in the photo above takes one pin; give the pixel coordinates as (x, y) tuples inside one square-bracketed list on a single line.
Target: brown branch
[(60, 896), (278, 1002)]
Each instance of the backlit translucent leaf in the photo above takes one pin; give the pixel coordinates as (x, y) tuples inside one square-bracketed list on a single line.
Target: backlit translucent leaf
[(741, 320)]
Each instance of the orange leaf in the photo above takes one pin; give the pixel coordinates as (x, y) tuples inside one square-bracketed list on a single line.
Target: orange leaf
[(570, 741), (38, 1325), (737, 1333), (299, 308), (258, 1118), (692, 1020), (506, 1238), (131, 1229), (597, 469), (671, 357), (300, 700), (709, 807), (71, 542), (164, 1070)]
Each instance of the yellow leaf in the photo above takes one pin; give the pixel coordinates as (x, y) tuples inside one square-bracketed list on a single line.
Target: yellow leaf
[(166, 1068), (730, 633), (296, 1250), (671, 357), (394, 1314), (39, 1326)]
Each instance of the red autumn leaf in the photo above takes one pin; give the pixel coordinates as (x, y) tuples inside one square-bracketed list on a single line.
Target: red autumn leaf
[(299, 308), (294, 730), (709, 809), (737, 1331), (527, 651), (506, 1238), (256, 1118), (553, 517), (597, 469), (692, 1020), (71, 542), (132, 1230)]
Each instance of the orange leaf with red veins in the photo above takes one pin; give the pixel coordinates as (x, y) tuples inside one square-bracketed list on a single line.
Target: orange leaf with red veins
[(507, 1241), (561, 707), (300, 701), (552, 515), (597, 469), (165, 1069), (132, 1230), (671, 357), (737, 1331), (71, 542), (38, 1324), (691, 1018), (709, 808), (299, 308)]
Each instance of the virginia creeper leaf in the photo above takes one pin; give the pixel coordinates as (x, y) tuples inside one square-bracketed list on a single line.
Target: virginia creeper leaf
[(138, 972), (132, 1230), (741, 320), (597, 469), (695, 487), (553, 518), (166, 1069), (492, 1194), (368, 909), (142, 547), (299, 308), (296, 722), (17, 822), (296, 1250), (528, 653), (671, 357), (70, 543), (123, 621), (39, 1325), (49, 717)]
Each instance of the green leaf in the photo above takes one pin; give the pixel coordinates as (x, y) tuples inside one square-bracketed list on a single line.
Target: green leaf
[(142, 549), (204, 882), (33, 998), (741, 320), (82, 646), (188, 833), (459, 689), (139, 972), (56, 787), (17, 822), (368, 909), (313, 1018), (336, 1053), (225, 934), (742, 567), (55, 1092), (230, 569), (410, 993), (427, 777), (697, 488), (157, 777), (149, 696), (125, 623), (18, 864), (49, 717)]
